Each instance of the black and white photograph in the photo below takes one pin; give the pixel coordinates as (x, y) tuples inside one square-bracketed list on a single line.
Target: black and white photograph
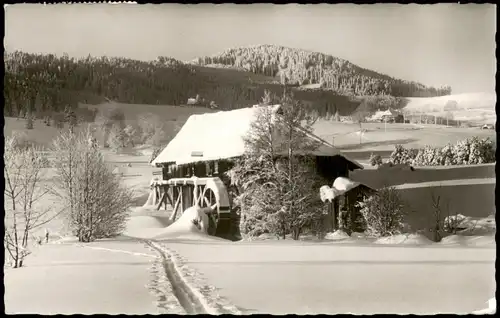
[(247, 159)]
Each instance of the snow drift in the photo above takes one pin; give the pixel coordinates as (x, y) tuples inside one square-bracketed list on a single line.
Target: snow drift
[(192, 224), (146, 222), (404, 239), (337, 235)]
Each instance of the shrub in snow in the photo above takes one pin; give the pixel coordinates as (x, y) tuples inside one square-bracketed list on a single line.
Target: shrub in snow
[(481, 151), (428, 156), (401, 155), (453, 223), (446, 155), (384, 213), (467, 151), (95, 198), (375, 160), (461, 151), (474, 151)]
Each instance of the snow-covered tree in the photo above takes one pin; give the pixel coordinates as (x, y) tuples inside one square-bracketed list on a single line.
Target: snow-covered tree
[(117, 138), (375, 160), (277, 181), (97, 200), (70, 118), (131, 135)]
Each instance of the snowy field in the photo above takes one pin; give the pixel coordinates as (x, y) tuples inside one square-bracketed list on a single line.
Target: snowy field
[(68, 278), (377, 137), (310, 278), (338, 275)]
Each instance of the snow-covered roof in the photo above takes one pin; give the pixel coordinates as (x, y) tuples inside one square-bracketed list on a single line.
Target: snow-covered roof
[(220, 135), (380, 114)]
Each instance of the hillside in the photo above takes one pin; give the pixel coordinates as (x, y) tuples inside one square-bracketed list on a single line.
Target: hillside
[(171, 117), (301, 67), (46, 84)]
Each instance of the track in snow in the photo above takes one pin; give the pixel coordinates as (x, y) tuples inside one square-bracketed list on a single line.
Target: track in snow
[(186, 298)]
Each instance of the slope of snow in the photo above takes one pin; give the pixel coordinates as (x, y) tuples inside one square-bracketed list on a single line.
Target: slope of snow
[(464, 101), (472, 241), (476, 107), (67, 279), (405, 239), (148, 222)]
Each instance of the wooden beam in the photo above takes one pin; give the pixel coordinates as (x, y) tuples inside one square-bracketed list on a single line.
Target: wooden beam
[(335, 208), (161, 201), (176, 207), (168, 198), (181, 194)]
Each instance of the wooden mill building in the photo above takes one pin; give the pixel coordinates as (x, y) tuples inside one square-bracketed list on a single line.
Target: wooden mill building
[(205, 147)]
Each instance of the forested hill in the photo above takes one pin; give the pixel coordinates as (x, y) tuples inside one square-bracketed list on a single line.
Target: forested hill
[(44, 84), (300, 67), (38, 83)]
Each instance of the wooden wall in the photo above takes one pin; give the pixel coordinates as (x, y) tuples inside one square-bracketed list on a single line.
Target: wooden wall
[(328, 167)]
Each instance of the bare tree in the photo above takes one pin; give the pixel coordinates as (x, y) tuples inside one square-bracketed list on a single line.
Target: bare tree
[(406, 113), (152, 129), (117, 138), (23, 172), (436, 200), (98, 201), (268, 98)]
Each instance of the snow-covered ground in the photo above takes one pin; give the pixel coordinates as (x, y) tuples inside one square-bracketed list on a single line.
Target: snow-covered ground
[(280, 277), (401, 274), (68, 278), (340, 274)]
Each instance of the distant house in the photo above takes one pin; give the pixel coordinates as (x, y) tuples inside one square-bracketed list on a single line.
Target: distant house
[(389, 116), (191, 101)]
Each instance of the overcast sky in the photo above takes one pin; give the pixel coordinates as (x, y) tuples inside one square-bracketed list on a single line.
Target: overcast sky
[(434, 44)]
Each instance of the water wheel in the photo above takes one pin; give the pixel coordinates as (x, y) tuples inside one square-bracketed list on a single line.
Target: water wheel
[(210, 204)]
